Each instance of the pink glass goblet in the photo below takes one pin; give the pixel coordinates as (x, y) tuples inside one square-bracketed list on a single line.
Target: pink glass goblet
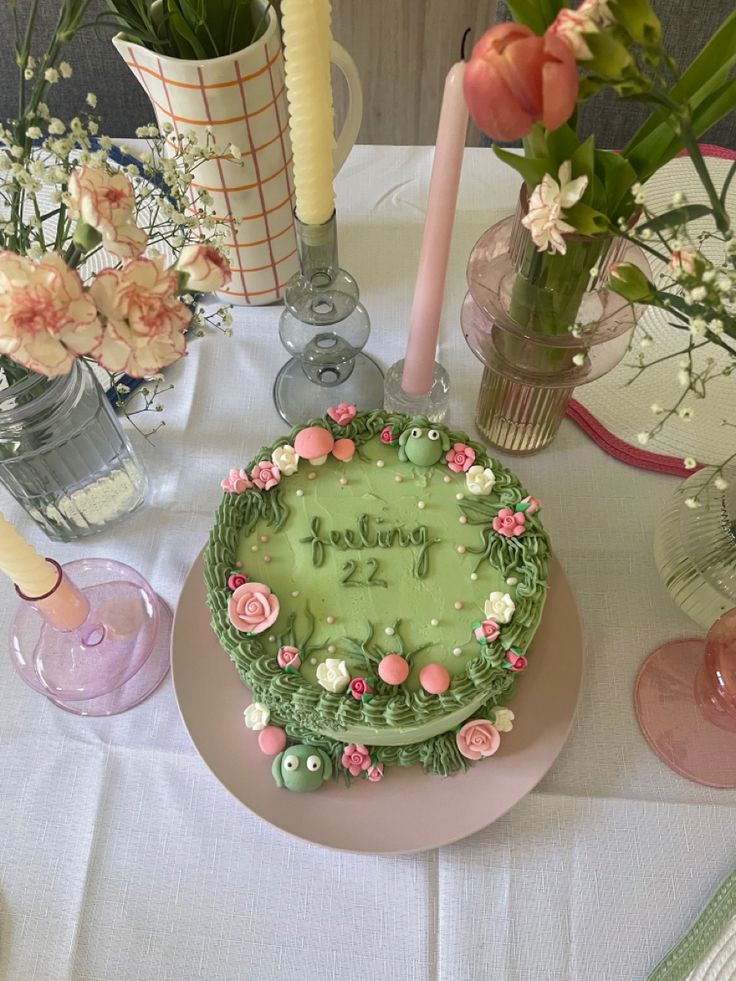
[(685, 703), (95, 644)]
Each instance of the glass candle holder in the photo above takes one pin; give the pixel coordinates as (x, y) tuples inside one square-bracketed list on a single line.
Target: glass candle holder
[(324, 327)]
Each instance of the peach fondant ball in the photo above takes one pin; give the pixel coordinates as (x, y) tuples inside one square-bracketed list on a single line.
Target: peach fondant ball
[(434, 679), (271, 740), (393, 669)]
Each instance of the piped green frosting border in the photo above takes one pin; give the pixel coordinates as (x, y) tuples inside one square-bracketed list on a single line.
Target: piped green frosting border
[(305, 711)]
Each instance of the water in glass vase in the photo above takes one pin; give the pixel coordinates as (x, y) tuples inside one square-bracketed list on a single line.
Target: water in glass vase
[(695, 548), (64, 457)]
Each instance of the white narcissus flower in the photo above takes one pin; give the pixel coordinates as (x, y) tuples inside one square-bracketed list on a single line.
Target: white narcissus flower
[(256, 716), (545, 216), (206, 269), (286, 459), (106, 202), (504, 719), (145, 321), (480, 481), (46, 316), (333, 675), (499, 607)]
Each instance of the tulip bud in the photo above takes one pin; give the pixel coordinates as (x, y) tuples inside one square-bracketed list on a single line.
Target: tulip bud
[(630, 282)]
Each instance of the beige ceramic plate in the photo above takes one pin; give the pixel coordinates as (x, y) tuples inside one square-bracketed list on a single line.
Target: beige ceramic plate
[(407, 811)]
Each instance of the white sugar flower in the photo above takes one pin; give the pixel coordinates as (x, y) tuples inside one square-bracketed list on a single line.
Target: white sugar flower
[(499, 607), (504, 719), (545, 216), (333, 675), (257, 716), (286, 459), (480, 481)]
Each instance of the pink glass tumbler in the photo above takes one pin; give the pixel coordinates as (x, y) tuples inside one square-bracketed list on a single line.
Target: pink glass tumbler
[(97, 643), (685, 702)]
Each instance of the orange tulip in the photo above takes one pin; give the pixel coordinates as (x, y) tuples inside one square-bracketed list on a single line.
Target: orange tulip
[(515, 78)]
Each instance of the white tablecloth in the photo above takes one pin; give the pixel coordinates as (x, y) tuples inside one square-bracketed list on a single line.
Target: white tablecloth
[(122, 858)]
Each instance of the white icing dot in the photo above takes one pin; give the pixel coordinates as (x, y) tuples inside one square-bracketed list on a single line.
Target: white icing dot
[(331, 648), (264, 538), (295, 593), (311, 475), (459, 497), (272, 639), (300, 493), (421, 505), (398, 478), (474, 576), (266, 558), (447, 479), (238, 565), (389, 631), (457, 651), (343, 481), (254, 548), (511, 581), (330, 620), (434, 622), (462, 519), (461, 550), (380, 463), (458, 605), (313, 660)]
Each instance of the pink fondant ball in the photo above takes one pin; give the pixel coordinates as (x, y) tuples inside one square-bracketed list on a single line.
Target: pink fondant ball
[(271, 740), (434, 679), (393, 669)]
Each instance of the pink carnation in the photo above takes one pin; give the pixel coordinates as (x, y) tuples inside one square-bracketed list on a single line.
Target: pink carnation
[(106, 203), (510, 523), (204, 267), (265, 475), (342, 414), (236, 579), (487, 631), (460, 458), (288, 657), (375, 773), (514, 661), (236, 482), (359, 687), (253, 608), (355, 759), (477, 739)]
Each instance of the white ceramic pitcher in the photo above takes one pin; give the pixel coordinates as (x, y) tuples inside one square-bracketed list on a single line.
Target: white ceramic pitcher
[(241, 97)]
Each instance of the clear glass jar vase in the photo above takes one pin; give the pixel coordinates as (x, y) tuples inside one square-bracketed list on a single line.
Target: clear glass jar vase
[(542, 325), (695, 548), (63, 455)]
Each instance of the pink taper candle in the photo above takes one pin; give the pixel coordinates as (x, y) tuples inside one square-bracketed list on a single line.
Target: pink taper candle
[(426, 309)]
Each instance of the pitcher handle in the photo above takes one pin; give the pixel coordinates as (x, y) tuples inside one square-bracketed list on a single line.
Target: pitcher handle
[(354, 116)]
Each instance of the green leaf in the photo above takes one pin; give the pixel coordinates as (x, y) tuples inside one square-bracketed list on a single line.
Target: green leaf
[(586, 220), (583, 159), (562, 144), (531, 13), (616, 175), (532, 169), (727, 183), (676, 217)]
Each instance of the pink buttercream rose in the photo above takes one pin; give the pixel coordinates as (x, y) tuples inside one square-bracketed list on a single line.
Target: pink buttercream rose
[(514, 661), (359, 687), (106, 203), (510, 523), (236, 481), (47, 318), (342, 414), (460, 458), (206, 269), (288, 657), (375, 773), (236, 579), (265, 475), (532, 505), (355, 759), (253, 608), (477, 739), (487, 631), (145, 320)]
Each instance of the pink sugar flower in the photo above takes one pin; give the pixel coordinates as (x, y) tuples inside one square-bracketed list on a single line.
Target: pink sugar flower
[(265, 475), (236, 579), (532, 505), (355, 759), (477, 739), (375, 773), (510, 523), (359, 687), (515, 661), (487, 631), (253, 608), (342, 414), (389, 435), (236, 481), (288, 657), (460, 458)]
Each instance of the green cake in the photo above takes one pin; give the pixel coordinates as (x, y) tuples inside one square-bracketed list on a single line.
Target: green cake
[(377, 581)]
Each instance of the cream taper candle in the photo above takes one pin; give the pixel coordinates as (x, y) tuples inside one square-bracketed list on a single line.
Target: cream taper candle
[(31, 573), (307, 43)]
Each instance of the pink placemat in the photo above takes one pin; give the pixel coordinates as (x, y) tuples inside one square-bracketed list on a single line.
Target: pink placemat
[(612, 412)]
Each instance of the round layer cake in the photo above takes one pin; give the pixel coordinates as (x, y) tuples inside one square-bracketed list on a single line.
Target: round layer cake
[(377, 581)]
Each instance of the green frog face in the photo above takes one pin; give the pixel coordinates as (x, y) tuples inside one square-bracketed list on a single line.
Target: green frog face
[(423, 445), (301, 768)]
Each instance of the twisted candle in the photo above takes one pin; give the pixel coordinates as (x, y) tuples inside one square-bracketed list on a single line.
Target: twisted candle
[(32, 574), (307, 42)]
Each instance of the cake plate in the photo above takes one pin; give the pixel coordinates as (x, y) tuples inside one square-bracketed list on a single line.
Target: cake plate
[(407, 811)]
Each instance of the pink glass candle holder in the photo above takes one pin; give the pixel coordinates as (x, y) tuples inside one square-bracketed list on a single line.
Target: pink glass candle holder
[(95, 644), (685, 702)]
